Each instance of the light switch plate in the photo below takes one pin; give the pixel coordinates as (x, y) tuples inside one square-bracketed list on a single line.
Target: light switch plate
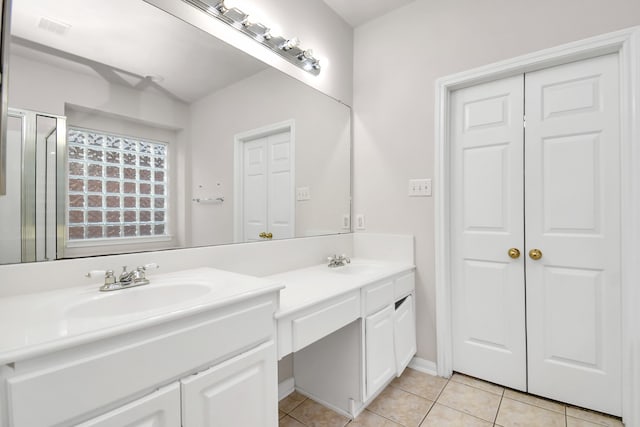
[(420, 187), (360, 224), (303, 194)]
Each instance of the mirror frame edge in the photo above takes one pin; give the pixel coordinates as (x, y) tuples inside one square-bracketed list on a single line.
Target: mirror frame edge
[(5, 24)]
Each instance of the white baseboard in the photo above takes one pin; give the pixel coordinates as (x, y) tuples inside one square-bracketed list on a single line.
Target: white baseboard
[(423, 365), (286, 387)]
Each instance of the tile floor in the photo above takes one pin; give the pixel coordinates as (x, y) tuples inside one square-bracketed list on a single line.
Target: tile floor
[(417, 399)]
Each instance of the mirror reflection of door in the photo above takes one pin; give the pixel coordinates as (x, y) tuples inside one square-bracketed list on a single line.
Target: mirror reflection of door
[(267, 204), (11, 224), (30, 226)]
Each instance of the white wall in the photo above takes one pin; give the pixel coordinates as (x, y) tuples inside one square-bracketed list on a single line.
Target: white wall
[(322, 152), (47, 88), (316, 25), (397, 59)]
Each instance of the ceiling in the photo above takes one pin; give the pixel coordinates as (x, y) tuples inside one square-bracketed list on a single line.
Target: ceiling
[(128, 42), (358, 12)]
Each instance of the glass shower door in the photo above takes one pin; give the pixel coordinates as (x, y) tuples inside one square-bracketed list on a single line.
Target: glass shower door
[(33, 209)]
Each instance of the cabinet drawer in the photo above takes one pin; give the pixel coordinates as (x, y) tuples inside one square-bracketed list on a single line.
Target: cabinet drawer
[(326, 320), (159, 409), (377, 296), (93, 376), (405, 284)]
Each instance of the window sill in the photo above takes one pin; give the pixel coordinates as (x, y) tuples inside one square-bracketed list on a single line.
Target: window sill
[(119, 241)]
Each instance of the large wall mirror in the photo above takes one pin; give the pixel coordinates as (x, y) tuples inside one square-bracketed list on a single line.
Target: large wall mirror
[(130, 130)]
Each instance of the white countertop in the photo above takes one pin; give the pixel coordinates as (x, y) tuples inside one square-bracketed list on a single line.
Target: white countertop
[(309, 286), (34, 324)]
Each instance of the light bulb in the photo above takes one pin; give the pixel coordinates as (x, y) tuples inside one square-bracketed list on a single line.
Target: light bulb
[(307, 54), (291, 43)]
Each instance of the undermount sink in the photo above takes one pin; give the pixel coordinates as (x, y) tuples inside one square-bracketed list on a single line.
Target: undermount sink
[(136, 300)]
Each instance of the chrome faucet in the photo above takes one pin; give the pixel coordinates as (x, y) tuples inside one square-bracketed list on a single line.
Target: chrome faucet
[(127, 279), (338, 260)]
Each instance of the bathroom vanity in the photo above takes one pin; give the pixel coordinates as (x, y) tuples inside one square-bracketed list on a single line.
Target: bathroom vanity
[(201, 347), (351, 329), (200, 342)]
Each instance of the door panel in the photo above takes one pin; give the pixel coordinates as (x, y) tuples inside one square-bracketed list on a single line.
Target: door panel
[(487, 212), (484, 188), (582, 288), (572, 200), (280, 186), (255, 189), (268, 193)]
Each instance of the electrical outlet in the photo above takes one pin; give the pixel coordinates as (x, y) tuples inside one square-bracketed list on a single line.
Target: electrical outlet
[(420, 187), (360, 224), (346, 222), (303, 194)]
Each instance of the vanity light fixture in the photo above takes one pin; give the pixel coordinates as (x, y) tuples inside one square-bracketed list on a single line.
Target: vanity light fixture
[(289, 49)]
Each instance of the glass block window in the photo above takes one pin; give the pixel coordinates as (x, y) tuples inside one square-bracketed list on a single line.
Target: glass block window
[(117, 186)]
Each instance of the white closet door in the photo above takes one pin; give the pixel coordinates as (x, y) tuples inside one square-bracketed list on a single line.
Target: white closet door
[(573, 218), (487, 220), (281, 191), (255, 182)]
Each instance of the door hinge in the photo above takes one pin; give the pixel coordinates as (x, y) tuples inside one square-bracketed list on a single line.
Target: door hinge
[(524, 121)]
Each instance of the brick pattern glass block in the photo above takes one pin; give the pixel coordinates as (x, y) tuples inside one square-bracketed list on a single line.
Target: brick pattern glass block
[(117, 186)]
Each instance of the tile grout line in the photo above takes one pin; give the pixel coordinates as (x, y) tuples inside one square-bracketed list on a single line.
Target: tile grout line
[(495, 418), (434, 402)]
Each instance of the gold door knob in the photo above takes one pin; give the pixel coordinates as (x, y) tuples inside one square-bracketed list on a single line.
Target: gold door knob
[(264, 235), (535, 254), (269, 236), (514, 253)]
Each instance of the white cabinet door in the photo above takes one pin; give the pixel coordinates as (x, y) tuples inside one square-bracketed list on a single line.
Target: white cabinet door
[(573, 217), (486, 220), (380, 357), (242, 391), (404, 337), (159, 409)]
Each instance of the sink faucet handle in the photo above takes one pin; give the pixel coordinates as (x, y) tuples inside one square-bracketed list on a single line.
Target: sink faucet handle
[(109, 277), (345, 258), (95, 273)]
